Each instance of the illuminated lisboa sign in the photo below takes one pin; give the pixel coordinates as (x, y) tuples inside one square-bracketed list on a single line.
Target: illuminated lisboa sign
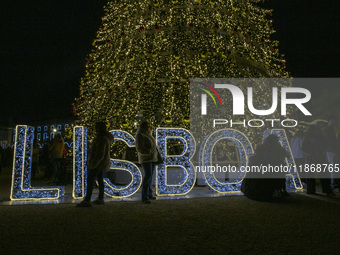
[(21, 180)]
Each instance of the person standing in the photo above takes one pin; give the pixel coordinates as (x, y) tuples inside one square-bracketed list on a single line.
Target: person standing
[(296, 147), (332, 144), (45, 156), (314, 147), (1, 158), (35, 158), (98, 162), (56, 152), (276, 156), (147, 157)]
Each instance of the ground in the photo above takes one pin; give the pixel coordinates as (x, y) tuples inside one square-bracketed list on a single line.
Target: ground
[(300, 224)]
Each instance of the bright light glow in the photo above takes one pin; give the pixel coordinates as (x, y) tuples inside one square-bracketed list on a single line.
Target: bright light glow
[(79, 162), (22, 162), (179, 161), (293, 178), (136, 176), (205, 158), (80, 168), (21, 180)]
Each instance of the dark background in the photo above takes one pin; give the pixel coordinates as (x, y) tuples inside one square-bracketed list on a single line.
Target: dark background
[(44, 44)]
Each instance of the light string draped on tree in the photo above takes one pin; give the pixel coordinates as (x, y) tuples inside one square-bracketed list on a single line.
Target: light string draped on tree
[(146, 52)]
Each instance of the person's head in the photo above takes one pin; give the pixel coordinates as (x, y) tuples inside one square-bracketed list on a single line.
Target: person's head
[(313, 131), (58, 137), (298, 133), (144, 125), (100, 128), (35, 142), (271, 140)]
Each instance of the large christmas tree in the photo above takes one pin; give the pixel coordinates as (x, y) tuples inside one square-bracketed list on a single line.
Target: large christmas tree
[(146, 52)]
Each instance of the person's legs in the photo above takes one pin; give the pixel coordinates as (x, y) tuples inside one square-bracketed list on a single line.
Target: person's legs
[(147, 167), (90, 179), (34, 169), (326, 185), (299, 165), (101, 184), (330, 160), (150, 185), (310, 185), (55, 167)]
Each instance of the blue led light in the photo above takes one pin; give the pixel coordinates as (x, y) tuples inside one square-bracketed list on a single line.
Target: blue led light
[(292, 179), (205, 158), (80, 168), (21, 180), (181, 161), (136, 176), (79, 162), (69, 145)]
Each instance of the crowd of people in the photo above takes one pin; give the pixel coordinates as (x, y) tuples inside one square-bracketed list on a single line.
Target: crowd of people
[(315, 146), (50, 160)]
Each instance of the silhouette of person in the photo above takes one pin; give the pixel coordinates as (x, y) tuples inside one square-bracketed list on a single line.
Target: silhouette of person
[(257, 185), (98, 162), (254, 186), (332, 144), (296, 147), (275, 156), (56, 151), (147, 157), (314, 146), (35, 158)]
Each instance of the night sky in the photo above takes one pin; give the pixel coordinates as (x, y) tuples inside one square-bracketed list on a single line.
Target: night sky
[(44, 45)]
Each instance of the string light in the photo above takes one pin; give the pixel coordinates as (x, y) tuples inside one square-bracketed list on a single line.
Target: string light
[(131, 188), (160, 44), (245, 150), (21, 179), (79, 162), (182, 161)]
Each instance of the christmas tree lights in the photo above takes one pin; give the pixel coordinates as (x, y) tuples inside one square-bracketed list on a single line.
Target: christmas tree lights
[(146, 51)]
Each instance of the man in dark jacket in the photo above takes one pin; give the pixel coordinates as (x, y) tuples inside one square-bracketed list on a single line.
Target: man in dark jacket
[(314, 147), (98, 162), (332, 145)]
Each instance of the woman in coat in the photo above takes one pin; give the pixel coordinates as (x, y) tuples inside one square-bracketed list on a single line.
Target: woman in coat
[(147, 157)]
